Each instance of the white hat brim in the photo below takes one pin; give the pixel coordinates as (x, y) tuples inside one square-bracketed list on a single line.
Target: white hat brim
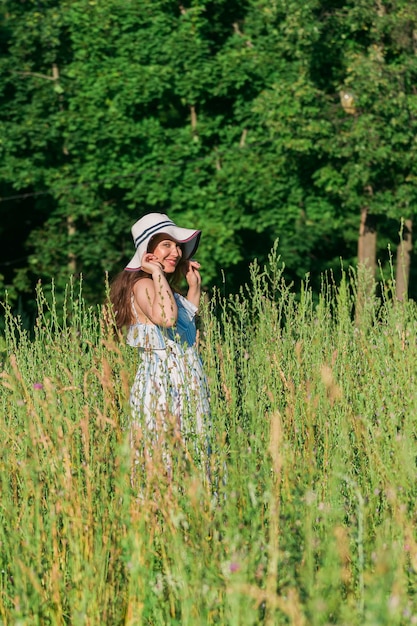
[(187, 237)]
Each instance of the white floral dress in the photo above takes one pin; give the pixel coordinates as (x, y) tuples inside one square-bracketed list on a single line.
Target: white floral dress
[(170, 383)]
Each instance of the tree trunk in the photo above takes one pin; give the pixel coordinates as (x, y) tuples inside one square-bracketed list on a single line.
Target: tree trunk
[(366, 261), (404, 259), (367, 241), (72, 261)]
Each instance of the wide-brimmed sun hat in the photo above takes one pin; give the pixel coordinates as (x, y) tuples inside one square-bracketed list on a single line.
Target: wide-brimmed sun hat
[(153, 224)]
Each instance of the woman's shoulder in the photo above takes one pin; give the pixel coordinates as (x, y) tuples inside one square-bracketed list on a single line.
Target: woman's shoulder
[(142, 283)]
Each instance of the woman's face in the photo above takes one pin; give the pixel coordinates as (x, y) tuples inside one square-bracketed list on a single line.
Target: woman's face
[(167, 251)]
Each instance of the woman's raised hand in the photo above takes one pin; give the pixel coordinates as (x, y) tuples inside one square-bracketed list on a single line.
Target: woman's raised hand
[(150, 263), (191, 273)]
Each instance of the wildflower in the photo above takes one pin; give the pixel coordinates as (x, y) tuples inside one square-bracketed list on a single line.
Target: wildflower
[(234, 567), (37, 386)]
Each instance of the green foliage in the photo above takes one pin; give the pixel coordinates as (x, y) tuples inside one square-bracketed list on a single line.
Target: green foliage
[(252, 120), (118, 117), (342, 113)]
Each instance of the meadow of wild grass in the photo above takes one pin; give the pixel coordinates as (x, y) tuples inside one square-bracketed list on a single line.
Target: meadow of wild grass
[(306, 515)]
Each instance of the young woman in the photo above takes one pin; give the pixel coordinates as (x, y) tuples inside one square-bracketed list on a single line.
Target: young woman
[(170, 388)]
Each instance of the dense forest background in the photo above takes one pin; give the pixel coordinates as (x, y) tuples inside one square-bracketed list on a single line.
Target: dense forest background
[(254, 120)]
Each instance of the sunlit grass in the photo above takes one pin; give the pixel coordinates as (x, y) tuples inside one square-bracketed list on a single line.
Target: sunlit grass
[(306, 514)]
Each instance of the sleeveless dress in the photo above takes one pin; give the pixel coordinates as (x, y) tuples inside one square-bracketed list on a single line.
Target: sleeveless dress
[(170, 385)]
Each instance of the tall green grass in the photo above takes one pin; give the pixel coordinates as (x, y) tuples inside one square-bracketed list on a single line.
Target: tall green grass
[(306, 515)]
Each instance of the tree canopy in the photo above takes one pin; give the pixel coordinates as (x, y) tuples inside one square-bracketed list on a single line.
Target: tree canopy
[(253, 120)]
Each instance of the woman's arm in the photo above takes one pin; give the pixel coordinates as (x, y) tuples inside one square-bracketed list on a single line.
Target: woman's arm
[(154, 296), (193, 278)]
